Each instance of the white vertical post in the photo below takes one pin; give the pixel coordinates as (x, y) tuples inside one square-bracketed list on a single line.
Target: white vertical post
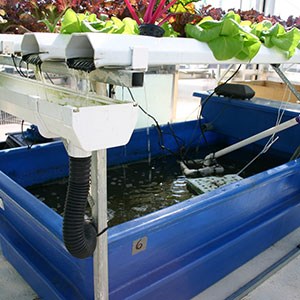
[(175, 94), (99, 211), (99, 195)]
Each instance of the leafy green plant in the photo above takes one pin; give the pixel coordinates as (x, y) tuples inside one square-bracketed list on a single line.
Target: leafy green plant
[(86, 22), (276, 35), (50, 17), (227, 38), (169, 30)]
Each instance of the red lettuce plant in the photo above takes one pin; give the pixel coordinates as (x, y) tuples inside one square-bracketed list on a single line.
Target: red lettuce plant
[(155, 13), (255, 16), (187, 13), (44, 15), (31, 15)]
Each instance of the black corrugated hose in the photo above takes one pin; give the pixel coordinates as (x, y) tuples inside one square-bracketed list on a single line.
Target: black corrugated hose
[(80, 235)]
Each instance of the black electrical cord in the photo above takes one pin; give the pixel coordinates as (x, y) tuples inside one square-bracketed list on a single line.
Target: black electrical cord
[(18, 69), (205, 101), (198, 124), (20, 66), (176, 137), (29, 146), (160, 133), (29, 60), (157, 126), (102, 231)]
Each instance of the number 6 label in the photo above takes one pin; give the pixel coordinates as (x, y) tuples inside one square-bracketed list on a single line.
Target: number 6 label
[(139, 245)]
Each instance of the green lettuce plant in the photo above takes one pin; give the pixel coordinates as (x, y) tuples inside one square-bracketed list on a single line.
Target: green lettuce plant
[(276, 35), (231, 38), (86, 22), (227, 38), (89, 22)]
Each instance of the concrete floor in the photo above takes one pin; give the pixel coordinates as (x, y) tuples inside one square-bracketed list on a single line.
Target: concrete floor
[(12, 285), (282, 285)]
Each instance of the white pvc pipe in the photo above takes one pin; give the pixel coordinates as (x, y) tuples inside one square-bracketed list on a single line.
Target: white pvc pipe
[(254, 138)]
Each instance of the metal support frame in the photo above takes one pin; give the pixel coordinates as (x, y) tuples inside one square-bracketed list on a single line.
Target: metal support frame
[(128, 78), (286, 81)]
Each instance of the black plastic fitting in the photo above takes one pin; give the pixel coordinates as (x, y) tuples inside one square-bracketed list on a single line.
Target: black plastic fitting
[(151, 30), (80, 235)]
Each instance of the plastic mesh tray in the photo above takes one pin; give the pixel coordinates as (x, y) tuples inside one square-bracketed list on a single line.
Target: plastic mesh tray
[(210, 183)]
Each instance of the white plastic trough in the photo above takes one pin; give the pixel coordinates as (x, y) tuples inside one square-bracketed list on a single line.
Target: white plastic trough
[(49, 46), (10, 43), (87, 123), (133, 52), (141, 52)]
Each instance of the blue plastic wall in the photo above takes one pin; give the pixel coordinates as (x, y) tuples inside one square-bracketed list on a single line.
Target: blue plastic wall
[(239, 119), (45, 162), (190, 245), (31, 239), (195, 243)]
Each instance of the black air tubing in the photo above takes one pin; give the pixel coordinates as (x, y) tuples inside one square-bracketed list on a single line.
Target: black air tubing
[(80, 235)]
